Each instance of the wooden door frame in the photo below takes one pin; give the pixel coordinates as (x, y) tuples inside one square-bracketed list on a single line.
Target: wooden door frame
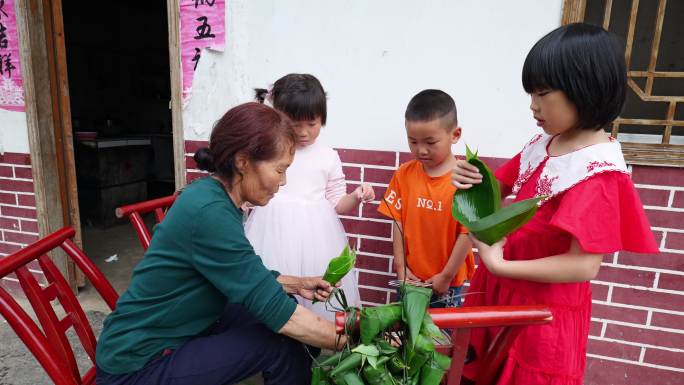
[(38, 36), (48, 114), (573, 11), (173, 15)]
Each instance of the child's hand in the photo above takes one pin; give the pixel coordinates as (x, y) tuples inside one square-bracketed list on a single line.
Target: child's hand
[(491, 256), (464, 175), (365, 193), (440, 283)]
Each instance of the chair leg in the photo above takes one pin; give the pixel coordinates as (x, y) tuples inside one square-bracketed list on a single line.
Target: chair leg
[(490, 369), (459, 342)]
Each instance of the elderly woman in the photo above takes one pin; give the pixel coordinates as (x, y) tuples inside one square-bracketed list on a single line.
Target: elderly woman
[(201, 308)]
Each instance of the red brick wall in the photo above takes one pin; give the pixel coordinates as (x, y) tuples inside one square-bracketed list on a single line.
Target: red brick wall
[(18, 224), (191, 167), (637, 334)]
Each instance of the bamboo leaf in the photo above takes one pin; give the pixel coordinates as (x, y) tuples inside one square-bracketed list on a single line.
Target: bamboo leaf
[(469, 153), (494, 227), (429, 328), (339, 266), (433, 372), (373, 361), (316, 375), (377, 375), (319, 377), (377, 319), (396, 365), (367, 350), (349, 378), (479, 207), (481, 199), (416, 363), (385, 347), (334, 359), (415, 301), (353, 361), (424, 344)]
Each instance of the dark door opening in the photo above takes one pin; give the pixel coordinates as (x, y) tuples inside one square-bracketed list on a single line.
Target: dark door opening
[(120, 92)]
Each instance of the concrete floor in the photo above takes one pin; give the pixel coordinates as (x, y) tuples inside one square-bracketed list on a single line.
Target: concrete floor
[(17, 365), (101, 245)]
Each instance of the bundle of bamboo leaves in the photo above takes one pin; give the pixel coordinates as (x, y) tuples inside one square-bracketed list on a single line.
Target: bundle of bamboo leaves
[(370, 358)]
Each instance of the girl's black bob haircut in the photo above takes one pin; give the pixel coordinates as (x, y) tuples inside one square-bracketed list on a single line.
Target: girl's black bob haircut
[(299, 96), (585, 62)]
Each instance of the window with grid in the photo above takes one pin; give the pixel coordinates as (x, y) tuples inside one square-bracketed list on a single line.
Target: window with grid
[(651, 126)]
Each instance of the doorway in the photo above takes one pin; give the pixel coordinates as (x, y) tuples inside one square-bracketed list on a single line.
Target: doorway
[(117, 60)]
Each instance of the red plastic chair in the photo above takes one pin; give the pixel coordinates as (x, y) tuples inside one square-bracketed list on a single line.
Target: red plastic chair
[(511, 319), (50, 345), (134, 213)]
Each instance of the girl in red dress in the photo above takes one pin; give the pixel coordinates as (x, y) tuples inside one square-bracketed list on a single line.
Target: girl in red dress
[(576, 77)]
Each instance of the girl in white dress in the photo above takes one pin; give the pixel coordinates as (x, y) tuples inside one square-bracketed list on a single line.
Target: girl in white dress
[(298, 231)]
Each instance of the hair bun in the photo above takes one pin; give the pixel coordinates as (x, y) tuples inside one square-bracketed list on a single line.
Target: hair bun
[(260, 94), (204, 159)]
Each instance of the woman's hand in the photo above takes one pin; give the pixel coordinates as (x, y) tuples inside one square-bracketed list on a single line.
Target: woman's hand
[(491, 256), (364, 193), (465, 175), (315, 287), (312, 329)]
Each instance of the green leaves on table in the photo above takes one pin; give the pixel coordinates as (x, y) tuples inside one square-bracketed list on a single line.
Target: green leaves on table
[(479, 207)]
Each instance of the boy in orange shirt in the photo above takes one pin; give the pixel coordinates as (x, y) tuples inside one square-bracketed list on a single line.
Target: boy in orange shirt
[(429, 244)]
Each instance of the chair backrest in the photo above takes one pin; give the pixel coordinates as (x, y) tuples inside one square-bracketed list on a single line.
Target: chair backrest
[(49, 342), (510, 319), (134, 213)]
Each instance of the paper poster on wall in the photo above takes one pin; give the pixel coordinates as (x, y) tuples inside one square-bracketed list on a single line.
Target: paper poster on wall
[(11, 85), (202, 25)]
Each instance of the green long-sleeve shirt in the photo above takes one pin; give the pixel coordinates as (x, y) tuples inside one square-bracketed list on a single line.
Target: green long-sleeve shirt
[(198, 259)]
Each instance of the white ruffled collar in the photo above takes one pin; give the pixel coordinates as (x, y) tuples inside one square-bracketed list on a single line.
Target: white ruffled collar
[(561, 173)]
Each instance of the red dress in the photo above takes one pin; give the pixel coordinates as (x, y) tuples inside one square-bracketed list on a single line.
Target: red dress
[(604, 213)]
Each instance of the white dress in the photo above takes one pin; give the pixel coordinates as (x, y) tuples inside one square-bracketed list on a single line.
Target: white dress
[(298, 231)]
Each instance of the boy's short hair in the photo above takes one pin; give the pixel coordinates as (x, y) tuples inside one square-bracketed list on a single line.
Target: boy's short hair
[(429, 105), (585, 62)]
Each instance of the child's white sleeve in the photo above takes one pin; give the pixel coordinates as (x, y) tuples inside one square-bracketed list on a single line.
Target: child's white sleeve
[(336, 187)]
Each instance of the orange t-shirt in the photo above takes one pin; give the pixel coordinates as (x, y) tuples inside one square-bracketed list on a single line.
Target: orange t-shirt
[(422, 204)]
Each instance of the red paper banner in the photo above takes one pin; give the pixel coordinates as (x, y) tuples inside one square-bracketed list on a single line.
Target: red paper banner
[(11, 84), (202, 25)]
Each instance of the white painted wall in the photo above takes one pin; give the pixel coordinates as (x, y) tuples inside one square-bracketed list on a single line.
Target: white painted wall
[(13, 132), (373, 56)]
